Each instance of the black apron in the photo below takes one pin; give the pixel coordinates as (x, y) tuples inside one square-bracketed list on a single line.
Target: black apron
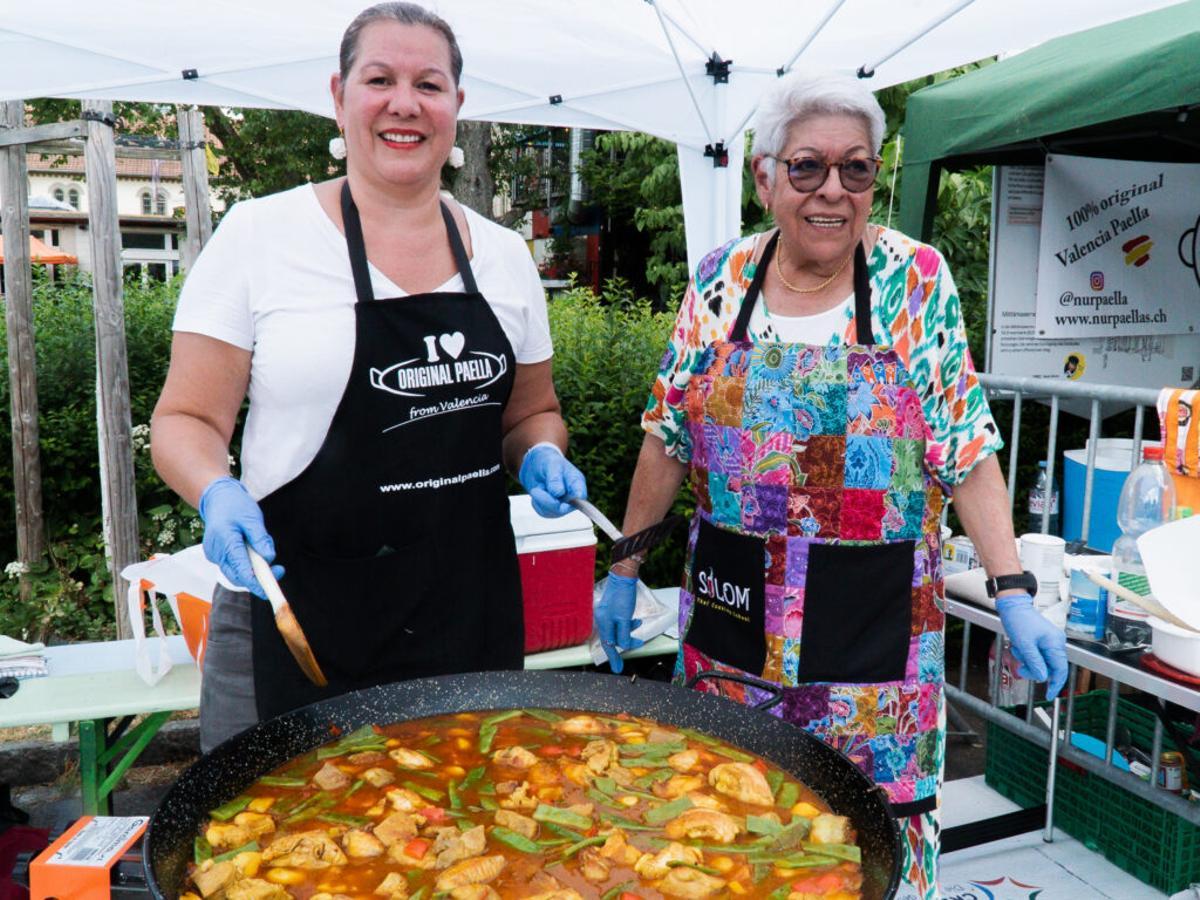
[(396, 538)]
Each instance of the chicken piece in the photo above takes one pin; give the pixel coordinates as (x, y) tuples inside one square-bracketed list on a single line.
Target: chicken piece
[(562, 893), (741, 782), (582, 725), (398, 827), (325, 895), (544, 773), (410, 759), (223, 837), (691, 883), (662, 736), (677, 786), (454, 846), (830, 829), (377, 777), (514, 821), (248, 862), (404, 800), (397, 855), (621, 775), (475, 892), (701, 800), (521, 798), (256, 889), (619, 850), (330, 778), (211, 877), (578, 774), (257, 824), (599, 755), (593, 866), (307, 850), (514, 757), (684, 760), (704, 824), (583, 809), (549, 793), (362, 844), (395, 887), (479, 870), (366, 758), (654, 865)]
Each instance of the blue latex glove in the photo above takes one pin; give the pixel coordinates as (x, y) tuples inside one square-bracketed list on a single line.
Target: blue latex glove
[(231, 521), (1040, 648), (614, 618), (550, 480)]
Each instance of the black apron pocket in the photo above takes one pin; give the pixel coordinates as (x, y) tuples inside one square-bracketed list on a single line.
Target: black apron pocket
[(367, 618), (857, 613), (728, 613)]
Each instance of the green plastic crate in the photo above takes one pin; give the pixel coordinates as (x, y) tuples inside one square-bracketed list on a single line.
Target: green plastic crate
[(1146, 841)]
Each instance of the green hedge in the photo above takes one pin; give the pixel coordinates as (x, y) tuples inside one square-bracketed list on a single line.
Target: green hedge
[(606, 353)]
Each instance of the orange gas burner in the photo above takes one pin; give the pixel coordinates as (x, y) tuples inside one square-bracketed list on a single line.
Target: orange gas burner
[(82, 864)]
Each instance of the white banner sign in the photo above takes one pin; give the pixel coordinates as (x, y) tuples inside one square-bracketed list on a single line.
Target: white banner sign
[(1117, 252), (1014, 347)]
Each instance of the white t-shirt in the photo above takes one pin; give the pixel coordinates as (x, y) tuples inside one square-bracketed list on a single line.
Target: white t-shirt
[(275, 279), (818, 329)]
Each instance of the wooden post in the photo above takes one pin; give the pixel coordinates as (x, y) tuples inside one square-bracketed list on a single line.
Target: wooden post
[(22, 369), (197, 210), (119, 500)]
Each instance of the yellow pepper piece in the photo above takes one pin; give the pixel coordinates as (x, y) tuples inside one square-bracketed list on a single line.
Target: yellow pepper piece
[(285, 876), (261, 804), (806, 810)]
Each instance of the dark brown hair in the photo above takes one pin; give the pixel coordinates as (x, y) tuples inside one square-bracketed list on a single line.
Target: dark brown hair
[(405, 14)]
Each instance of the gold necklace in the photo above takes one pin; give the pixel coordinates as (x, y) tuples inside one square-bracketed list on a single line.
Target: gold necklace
[(812, 290)]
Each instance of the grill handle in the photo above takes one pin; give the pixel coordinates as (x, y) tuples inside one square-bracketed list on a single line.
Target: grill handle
[(773, 689)]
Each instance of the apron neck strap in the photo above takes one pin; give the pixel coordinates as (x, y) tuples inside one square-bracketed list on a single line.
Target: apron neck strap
[(862, 295), (358, 251)]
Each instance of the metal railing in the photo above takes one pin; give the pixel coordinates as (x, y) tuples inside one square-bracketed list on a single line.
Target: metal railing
[(1018, 389)]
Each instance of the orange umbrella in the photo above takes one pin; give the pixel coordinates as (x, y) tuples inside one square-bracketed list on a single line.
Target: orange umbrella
[(42, 254)]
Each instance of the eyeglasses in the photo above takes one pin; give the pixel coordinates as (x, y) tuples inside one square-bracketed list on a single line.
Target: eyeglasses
[(807, 173)]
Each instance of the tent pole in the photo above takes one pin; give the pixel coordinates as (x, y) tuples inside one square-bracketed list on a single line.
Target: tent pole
[(683, 73), (812, 36), (22, 368), (117, 492), (197, 211), (867, 71)]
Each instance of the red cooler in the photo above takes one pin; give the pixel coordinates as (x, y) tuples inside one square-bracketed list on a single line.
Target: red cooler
[(558, 560)]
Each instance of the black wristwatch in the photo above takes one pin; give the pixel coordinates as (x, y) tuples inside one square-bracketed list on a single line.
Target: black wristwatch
[(1026, 581)]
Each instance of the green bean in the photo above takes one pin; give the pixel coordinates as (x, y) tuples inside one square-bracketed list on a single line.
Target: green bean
[(455, 799), (629, 824), (586, 842), (677, 863), (841, 851), (667, 811), (227, 811), (545, 715), (805, 861), (515, 840), (763, 825), (420, 893), (547, 813), (431, 794), (602, 799), (664, 749), (282, 781), (473, 776), (564, 832), (732, 754), (487, 734), (201, 849), (775, 781), (344, 819), (251, 847), (788, 795), (353, 789), (497, 718), (487, 803), (613, 892), (780, 893)]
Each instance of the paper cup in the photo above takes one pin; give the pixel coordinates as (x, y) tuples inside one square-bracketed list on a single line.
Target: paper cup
[(1042, 554)]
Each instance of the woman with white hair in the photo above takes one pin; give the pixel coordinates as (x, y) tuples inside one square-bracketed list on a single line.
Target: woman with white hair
[(819, 395)]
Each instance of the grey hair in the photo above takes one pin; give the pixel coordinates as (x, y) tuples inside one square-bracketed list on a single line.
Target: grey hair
[(800, 94), (404, 14)]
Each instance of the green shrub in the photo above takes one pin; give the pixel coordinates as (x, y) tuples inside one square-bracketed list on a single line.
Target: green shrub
[(70, 597), (606, 353)]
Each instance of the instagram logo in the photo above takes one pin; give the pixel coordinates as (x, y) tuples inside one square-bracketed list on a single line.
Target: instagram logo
[(1097, 281)]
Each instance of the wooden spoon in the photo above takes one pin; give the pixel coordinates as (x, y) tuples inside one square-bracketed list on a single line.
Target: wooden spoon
[(285, 621), (1149, 604)]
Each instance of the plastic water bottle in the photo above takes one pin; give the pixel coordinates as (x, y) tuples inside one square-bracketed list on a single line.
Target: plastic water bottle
[(1037, 502), (1147, 501)]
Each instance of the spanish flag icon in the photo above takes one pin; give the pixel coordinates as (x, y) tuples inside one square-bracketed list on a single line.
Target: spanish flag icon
[(1137, 250)]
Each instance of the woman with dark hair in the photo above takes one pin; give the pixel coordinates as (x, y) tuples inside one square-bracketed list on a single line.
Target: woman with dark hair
[(395, 351)]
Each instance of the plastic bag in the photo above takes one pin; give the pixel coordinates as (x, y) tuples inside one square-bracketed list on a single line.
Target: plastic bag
[(657, 617)]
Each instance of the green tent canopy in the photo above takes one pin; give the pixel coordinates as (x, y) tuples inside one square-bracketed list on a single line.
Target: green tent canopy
[(1128, 90)]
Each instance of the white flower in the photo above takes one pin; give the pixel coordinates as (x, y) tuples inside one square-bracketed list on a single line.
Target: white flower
[(337, 147), (16, 569), (456, 159), (140, 437)]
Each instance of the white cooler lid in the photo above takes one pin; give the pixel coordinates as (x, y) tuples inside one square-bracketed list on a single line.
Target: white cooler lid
[(537, 534)]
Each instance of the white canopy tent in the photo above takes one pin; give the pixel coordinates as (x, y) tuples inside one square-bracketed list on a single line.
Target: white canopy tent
[(689, 71)]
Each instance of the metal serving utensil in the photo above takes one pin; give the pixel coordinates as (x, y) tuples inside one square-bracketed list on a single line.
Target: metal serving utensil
[(624, 547)]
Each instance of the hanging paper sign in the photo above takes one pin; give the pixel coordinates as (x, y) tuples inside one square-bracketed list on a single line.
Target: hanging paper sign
[(1113, 258)]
